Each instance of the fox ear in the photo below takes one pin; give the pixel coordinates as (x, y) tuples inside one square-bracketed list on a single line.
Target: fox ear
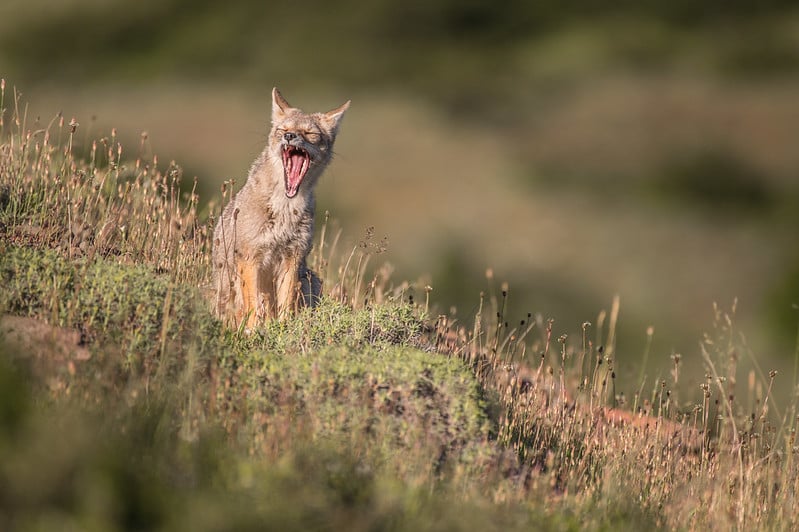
[(279, 104), (332, 119)]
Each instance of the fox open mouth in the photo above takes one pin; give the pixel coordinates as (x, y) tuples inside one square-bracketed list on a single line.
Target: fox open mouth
[(296, 162)]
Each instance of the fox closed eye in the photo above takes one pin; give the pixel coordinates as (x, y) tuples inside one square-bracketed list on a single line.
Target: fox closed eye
[(310, 136)]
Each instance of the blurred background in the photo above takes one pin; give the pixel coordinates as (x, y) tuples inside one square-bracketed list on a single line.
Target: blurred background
[(649, 149)]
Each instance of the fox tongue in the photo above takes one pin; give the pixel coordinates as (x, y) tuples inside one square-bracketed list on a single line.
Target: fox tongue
[(295, 168)]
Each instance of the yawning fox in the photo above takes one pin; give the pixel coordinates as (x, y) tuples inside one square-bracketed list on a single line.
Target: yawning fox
[(263, 237)]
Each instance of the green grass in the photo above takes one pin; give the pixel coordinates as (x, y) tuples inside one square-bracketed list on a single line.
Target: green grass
[(127, 405)]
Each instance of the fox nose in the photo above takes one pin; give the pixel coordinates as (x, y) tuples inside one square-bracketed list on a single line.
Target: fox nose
[(289, 136)]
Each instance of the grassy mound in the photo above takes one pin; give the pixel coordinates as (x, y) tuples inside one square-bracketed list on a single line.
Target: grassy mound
[(330, 406)]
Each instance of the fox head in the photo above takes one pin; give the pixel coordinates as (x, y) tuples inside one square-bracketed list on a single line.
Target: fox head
[(302, 142)]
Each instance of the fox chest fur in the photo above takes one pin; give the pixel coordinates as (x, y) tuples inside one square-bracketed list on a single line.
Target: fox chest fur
[(270, 227)]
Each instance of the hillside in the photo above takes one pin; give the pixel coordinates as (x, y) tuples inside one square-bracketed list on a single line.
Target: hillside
[(124, 404)]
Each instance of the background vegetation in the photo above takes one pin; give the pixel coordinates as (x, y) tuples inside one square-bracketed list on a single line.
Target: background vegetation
[(645, 150)]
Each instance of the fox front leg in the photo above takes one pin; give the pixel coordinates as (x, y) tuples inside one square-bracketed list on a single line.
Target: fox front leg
[(287, 288), (248, 274)]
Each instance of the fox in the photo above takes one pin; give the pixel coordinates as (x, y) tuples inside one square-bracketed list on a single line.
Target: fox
[(263, 236)]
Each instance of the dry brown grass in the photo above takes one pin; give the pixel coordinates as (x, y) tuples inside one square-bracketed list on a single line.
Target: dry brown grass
[(724, 458), (105, 206)]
